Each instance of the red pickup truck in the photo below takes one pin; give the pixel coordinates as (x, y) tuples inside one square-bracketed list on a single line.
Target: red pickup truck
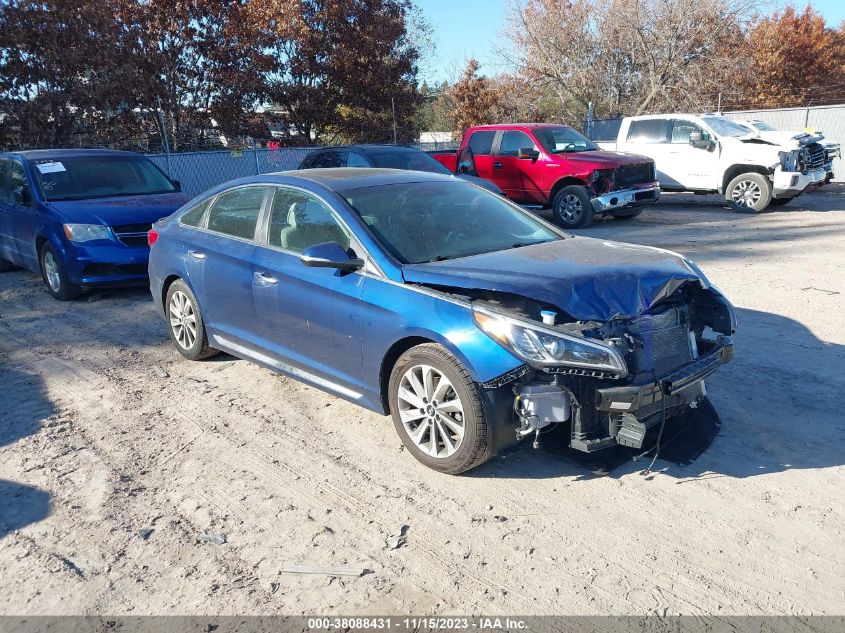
[(556, 166)]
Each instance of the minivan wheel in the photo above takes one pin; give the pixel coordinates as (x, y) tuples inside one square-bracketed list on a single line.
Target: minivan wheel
[(185, 323), (749, 193), (54, 275), (572, 207), (437, 410)]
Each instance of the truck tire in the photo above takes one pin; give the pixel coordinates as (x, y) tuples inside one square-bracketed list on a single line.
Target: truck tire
[(749, 193), (572, 207)]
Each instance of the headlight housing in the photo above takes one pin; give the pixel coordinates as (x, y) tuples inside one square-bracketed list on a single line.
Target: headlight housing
[(542, 346), (86, 232), (789, 161)]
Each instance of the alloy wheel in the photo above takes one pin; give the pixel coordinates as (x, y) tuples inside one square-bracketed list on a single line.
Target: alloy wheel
[(431, 411), (746, 193), (51, 271), (183, 320), (570, 209)]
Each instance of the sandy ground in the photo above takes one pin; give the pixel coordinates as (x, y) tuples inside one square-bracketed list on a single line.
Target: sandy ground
[(96, 444)]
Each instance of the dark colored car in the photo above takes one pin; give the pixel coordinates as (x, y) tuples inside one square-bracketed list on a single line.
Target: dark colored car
[(385, 157), (469, 320), (80, 217), (556, 166)]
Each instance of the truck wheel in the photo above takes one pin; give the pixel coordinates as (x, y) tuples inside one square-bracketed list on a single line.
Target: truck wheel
[(572, 207), (749, 193), (55, 276), (437, 410), (627, 215)]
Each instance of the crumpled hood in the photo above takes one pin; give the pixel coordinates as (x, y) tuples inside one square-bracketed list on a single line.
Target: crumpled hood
[(120, 210), (589, 279), (611, 159)]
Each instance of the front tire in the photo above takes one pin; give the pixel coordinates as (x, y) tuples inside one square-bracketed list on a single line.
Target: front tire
[(184, 323), (572, 207), (437, 410), (55, 276), (749, 193)]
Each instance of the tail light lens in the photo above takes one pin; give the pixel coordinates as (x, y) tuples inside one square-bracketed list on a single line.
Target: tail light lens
[(152, 236)]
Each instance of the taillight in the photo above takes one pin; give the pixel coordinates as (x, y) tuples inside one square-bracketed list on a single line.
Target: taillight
[(152, 236)]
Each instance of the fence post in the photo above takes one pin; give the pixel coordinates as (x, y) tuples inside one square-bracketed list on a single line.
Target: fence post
[(164, 138), (589, 125)]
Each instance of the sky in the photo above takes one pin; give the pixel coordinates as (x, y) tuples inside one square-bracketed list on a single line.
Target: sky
[(471, 28)]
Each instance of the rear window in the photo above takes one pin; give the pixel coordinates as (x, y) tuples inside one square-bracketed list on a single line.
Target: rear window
[(482, 142), (649, 131), (235, 212), (86, 177)]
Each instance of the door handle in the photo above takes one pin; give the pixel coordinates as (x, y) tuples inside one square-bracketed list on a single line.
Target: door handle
[(197, 255), (497, 165), (266, 279)]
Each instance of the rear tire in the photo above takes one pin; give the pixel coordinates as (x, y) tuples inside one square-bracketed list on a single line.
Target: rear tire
[(55, 276), (572, 207), (184, 323), (749, 193), (437, 410)]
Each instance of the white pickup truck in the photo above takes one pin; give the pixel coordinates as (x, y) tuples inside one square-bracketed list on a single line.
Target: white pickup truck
[(709, 153)]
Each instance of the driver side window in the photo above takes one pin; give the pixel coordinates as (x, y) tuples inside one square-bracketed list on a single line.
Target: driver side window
[(299, 220), (681, 131), (513, 141)]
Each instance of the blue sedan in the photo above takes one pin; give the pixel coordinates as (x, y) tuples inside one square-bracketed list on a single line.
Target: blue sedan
[(467, 319)]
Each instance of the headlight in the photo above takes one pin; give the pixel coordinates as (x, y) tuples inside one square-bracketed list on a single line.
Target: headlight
[(789, 160), (543, 346), (86, 232)]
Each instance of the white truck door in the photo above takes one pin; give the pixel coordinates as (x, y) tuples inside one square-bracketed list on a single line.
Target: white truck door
[(650, 137), (695, 167)]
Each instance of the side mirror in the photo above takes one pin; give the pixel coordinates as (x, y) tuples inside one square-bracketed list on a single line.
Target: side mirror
[(528, 153), (22, 196), (463, 167), (329, 255), (697, 140), (177, 184)]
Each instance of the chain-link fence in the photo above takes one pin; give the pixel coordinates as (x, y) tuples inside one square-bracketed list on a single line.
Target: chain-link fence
[(829, 120), (199, 171)]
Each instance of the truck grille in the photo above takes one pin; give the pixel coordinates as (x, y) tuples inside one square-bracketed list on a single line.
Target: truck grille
[(626, 176), (664, 342), (814, 157), (132, 234)]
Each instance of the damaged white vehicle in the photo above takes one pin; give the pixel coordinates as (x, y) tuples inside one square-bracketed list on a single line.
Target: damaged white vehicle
[(708, 153)]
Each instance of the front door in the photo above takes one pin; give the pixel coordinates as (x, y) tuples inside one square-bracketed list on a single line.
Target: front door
[(219, 262), (512, 173), (695, 167), (309, 317)]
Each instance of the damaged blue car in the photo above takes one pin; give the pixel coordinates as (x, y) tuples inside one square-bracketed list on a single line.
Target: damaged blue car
[(469, 320)]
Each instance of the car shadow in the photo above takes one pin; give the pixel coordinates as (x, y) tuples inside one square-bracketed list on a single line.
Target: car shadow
[(775, 407), (26, 404)]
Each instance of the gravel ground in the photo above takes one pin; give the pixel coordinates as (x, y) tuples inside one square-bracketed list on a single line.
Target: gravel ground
[(118, 456)]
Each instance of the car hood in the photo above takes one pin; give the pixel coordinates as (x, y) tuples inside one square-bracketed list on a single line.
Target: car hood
[(589, 279), (120, 210), (602, 157)]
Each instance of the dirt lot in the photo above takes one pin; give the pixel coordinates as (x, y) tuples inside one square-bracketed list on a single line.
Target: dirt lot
[(97, 444)]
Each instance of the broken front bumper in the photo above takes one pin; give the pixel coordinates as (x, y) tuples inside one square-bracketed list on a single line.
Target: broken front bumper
[(636, 197), (788, 184)]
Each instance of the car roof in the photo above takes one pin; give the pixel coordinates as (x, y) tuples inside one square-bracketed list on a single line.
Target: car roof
[(516, 126), (343, 178), (37, 154), (366, 146)]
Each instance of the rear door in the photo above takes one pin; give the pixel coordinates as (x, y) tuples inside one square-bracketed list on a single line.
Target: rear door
[(21, 216), (476, 158), (219, 262), (310, 317)]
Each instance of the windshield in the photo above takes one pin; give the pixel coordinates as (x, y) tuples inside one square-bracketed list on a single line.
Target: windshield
[(764, 127), (84, 177), (434, 221), (560, 139), (405, 158), (725, 127)]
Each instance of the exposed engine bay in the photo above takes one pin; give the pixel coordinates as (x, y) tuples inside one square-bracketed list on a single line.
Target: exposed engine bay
[(666, 353)]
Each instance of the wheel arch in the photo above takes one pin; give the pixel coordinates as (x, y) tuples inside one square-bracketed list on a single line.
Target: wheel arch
[(566, 181), (740, 168)]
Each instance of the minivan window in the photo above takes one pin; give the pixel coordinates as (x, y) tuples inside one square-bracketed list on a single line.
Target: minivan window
[(299, 220), (405, 158), (328, 158), (4, 179), (235, 212), (481, 142), (86, 177), (354, 159), (18, 183), (648, 131)]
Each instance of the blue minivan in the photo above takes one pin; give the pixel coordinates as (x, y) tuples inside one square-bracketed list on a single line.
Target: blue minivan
[(80, 217)]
